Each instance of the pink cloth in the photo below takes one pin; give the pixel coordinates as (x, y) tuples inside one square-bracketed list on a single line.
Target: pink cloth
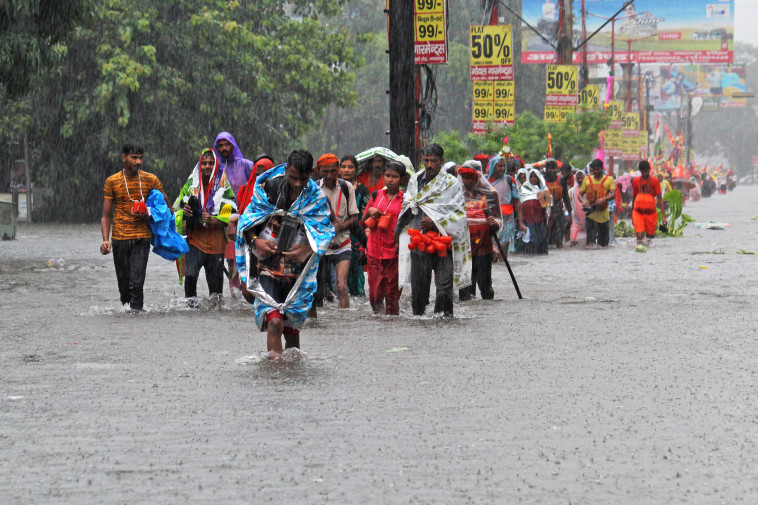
[(578, 216)]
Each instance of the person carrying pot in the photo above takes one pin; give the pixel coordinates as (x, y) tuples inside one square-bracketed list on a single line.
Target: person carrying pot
[(380, 218)]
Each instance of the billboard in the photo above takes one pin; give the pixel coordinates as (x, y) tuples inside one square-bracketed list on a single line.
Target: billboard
[(648, 31), (715, 84)]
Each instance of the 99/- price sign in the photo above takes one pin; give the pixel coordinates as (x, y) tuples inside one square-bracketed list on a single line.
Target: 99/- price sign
[(430, 35), (491, 49), (492, 101)]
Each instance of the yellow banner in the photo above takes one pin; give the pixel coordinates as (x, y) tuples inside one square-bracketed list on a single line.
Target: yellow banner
[(561, 79), (423, 6), (616, 109), (504, 90), (589, 97), (493, 101), (494, 90), (630, 121), (430, 27), (557, 114), (483, 110), (504, 111), (491, 45)]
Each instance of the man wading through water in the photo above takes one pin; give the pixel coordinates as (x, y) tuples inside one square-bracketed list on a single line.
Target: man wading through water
[(205, 202), (598, 189), (434, 202), (647, 192), (125, 194), (237, 169), (341, 197), (281, 237)]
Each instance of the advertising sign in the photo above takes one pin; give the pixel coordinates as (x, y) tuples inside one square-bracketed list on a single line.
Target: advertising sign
[(589, 97), (491, 53), (430, 32), (493, 101), (647, 31), (714, 83), (561, 97)]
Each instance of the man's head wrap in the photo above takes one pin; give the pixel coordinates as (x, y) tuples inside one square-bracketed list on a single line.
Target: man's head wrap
[(473, 165), (327, 159)]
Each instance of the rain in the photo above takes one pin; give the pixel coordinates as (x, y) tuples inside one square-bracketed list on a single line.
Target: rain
[(619, 377)]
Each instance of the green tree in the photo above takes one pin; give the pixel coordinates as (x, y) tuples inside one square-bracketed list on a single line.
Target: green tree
[(173, 74), (31, 36), (572, 140)]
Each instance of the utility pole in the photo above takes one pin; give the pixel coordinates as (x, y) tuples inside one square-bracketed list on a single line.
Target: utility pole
[(402, 78), (565, 50), (688, 138), (28, 180)]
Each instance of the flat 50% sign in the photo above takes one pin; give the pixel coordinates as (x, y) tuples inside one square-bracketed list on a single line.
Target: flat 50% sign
[(561, 80), (491, 45), (589, 97)]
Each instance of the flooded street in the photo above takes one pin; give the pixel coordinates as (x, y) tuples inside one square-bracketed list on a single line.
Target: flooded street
[(620, 378)]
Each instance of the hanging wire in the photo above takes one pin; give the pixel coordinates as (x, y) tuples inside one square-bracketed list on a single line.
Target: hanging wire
[(428, 101)]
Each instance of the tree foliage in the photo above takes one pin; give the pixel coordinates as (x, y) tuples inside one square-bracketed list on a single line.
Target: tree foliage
[(174, 73), (31, 36), (572, 140)]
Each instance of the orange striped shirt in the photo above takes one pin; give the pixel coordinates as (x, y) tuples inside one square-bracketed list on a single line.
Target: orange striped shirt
[(126, 226)]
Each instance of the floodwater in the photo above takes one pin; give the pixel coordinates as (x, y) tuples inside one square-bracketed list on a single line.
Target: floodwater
[(620, 378)]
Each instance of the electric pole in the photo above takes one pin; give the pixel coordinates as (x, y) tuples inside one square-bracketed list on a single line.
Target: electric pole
[(402, 78), (565, 51)]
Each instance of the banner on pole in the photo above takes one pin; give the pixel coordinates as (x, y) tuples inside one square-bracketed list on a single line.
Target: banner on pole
[(430, 25), (491, 53), (560, 93), (493, 101)]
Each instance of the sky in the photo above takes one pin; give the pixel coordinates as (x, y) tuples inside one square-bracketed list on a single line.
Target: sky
[(746, 13)]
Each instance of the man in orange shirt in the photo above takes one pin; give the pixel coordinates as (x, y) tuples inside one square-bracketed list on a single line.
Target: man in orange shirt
[(647, 192), (125, 194)]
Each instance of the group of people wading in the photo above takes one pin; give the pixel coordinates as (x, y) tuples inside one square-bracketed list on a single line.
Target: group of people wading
[(291, 235)]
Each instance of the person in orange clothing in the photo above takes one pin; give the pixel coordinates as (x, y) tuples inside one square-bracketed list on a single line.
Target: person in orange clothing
[(647, 192), (373, 178)]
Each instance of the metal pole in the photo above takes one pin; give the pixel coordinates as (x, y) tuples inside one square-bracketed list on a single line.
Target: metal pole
[(613, 66), (689, 128), (585, 69), (28, 181)]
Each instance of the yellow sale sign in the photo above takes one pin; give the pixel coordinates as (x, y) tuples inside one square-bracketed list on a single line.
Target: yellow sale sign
[(430, 32), (561, 80), (493, 101), (491, 49), (589, 97)]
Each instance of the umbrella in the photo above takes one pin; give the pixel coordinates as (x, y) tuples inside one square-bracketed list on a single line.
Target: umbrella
[(376, 151), (682, 183), (626, 181)]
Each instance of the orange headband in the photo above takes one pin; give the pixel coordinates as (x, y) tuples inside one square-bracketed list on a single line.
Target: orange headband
[(327, 159)]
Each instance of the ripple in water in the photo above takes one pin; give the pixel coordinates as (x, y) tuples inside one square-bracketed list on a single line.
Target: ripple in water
[(291, 355)]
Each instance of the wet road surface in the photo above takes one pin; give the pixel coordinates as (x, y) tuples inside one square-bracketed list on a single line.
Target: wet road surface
[(621, 378)]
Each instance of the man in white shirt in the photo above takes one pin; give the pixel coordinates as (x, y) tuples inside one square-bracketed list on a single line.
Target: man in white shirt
[(341, 197)]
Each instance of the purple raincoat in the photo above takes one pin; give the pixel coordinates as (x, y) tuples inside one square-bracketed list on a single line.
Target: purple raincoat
[(236, 167)]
